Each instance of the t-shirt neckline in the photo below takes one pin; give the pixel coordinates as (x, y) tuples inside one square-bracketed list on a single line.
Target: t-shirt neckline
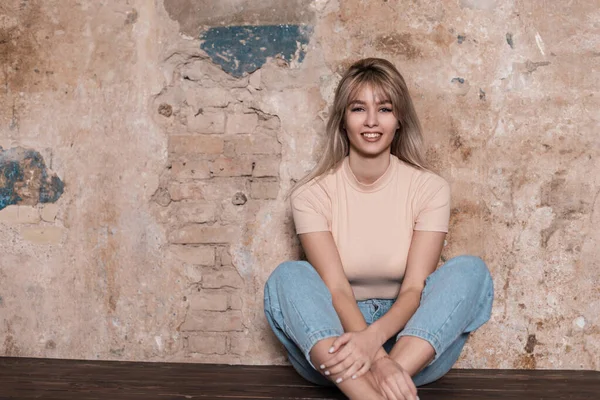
[(379, 184)]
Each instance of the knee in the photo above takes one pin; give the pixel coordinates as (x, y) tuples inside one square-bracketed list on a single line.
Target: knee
[(472, 272), (287, 273)]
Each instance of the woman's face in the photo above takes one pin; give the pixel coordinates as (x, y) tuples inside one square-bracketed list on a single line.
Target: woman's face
[(370, 124)]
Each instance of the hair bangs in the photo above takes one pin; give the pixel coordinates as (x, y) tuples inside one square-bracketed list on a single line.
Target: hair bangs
[(378, 84)]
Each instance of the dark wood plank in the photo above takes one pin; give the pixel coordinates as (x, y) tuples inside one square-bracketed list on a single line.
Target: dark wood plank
[(31, 378)]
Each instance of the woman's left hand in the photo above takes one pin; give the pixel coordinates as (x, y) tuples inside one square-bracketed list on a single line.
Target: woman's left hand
[(355, 353)]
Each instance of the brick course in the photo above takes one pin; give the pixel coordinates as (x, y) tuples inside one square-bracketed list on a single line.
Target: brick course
[(194, 144), (199, 234), (213, 321), (241, 123)]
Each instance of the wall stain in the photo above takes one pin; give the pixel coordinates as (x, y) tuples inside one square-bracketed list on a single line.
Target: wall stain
[(398, 43), (531, 343), (20, 58), (525, 361), (10, 346)]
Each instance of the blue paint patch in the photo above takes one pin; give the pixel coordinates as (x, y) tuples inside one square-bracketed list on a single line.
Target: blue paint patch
[(244, 49), (15, 165)]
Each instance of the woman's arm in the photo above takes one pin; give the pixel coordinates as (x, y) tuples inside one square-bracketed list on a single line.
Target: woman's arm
[(322, 253), (423, 257)]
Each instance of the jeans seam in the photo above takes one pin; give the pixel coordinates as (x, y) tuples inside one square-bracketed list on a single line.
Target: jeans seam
[(289, 331), (450, 316)]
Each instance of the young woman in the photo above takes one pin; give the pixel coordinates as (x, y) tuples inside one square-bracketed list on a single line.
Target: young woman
[(372, 222)]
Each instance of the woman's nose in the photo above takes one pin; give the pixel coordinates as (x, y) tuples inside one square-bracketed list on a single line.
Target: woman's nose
[(371, 119)]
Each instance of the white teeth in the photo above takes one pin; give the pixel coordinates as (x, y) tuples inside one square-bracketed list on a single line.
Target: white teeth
[(371, 135)]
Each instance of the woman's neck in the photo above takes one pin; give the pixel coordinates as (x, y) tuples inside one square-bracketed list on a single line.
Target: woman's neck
[(368, 170)]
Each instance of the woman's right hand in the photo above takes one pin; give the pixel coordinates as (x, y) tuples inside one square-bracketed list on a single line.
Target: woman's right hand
[(393, 381)]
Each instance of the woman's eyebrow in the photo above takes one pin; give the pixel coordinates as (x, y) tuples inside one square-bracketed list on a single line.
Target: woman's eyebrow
[(379, 102)]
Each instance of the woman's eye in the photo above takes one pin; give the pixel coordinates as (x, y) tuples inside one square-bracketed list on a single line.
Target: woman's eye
[(385, 109), (356, 109)]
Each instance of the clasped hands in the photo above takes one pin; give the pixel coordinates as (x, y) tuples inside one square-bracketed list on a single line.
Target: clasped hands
[(354, 353)]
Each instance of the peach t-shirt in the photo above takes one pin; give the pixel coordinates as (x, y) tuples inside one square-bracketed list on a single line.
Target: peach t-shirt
[(372, 225)]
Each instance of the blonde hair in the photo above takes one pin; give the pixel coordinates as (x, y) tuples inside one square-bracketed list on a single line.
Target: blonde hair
[(385, 80)]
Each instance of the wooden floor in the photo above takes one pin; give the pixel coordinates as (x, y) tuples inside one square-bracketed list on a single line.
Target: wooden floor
[(31, 378)]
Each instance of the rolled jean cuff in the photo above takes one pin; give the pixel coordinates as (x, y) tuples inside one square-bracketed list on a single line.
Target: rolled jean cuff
[(420, 333), (314, 338)]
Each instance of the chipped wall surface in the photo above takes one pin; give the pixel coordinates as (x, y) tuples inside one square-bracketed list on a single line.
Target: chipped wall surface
[(167, 165)]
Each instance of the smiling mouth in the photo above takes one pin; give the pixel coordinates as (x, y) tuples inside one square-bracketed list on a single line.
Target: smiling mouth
[(371, 135)]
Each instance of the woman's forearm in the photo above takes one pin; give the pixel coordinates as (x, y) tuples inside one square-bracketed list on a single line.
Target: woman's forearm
[(348, 311), (397, 316), (351, 317)]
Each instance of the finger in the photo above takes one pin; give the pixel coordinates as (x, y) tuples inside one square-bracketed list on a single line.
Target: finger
[(338, 358), (411, 384), (389, 393), (335, 359), (365, 368), (394, 385), (341, 367), (337, 343), (352, 370), (404, 388)]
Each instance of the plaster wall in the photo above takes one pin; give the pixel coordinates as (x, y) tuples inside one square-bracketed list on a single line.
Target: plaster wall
[(171, 214)]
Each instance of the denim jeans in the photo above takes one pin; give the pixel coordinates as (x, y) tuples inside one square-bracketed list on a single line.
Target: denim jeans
[(456, 300)]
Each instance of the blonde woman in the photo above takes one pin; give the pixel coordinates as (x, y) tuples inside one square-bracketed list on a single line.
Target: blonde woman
[(368, 311)]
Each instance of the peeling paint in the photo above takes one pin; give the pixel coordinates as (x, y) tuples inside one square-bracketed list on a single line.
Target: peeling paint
[(244, 49), (509, 40), (24, 179)]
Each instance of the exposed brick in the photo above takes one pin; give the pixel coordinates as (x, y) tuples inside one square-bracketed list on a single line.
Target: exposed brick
[(213, 278), (29, 215), (210, 299), (255, 144), (199, 255), (194, 144), (232, 214), (49, 212), (207, 344), (185, 191), (206, 122), (194, 211), (208, 97), (10, 214), (231, 167), (216, 188), (190, 169), (223, 188), (204, 234), (241, 123), (223, 256), (264, 188), (213, 321), (239, 343), (229, 149), (272, 123), (266, 166), (235, 301), (42, 234), (15, 214)]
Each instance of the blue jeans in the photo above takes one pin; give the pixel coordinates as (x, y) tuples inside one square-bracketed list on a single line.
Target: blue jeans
[(456, 300)]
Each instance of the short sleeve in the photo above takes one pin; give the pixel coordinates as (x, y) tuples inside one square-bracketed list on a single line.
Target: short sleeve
[(433, 205), (311, 209)]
